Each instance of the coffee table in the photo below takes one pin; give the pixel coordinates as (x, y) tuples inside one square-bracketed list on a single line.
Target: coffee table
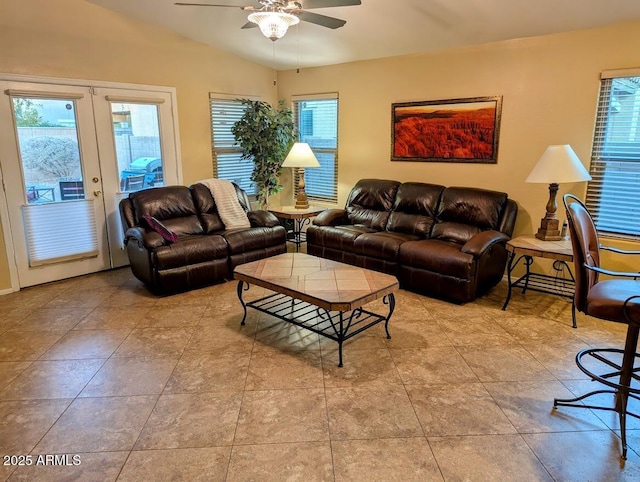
[(321, 295)]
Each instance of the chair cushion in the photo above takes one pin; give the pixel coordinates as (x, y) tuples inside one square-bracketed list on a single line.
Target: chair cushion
[(414, 209), (243, 240), (190, 250), (606, 299), (383, 245), (336, 237), (370, 202), (464, 212), (437, 256), (172, 205)]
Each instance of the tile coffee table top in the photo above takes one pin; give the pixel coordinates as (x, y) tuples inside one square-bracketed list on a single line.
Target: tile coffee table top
[(325, 283)]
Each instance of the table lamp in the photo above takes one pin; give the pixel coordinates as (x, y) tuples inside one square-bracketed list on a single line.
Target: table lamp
[(558, 164), (301, 156)]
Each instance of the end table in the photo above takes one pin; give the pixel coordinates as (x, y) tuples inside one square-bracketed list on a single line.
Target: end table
[(300, 218), (525, 248)]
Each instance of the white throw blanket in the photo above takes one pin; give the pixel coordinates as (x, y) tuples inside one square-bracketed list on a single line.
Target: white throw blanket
[(229, 209)]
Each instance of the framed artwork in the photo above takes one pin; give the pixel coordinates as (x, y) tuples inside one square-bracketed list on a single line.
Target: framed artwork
[(454, 130)]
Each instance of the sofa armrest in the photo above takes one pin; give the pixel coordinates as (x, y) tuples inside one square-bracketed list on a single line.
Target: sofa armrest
[(261, 218), (482, 241), (145, 238), (331, 217)]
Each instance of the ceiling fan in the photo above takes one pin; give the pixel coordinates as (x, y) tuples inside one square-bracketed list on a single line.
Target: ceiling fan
[(274, 17)]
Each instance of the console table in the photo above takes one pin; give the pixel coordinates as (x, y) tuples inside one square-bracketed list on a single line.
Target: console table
[(300, 218), (524, 249)]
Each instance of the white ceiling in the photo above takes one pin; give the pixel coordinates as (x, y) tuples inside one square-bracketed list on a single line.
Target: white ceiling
[(377, 28)]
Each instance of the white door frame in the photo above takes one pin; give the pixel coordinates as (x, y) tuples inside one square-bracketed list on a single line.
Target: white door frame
[(4, 206)]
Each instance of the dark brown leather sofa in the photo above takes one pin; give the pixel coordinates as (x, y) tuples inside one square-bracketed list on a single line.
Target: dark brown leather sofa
[(204, 252), (447, 242)]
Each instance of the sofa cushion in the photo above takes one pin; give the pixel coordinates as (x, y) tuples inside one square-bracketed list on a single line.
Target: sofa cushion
[(336, 237), (437, 256), (243, 240), (190, 250), (382, 245), (206, 207), (370, 203), (463, 212), (414, 209), (172, 205)]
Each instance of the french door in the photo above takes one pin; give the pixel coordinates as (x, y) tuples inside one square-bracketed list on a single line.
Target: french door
[(69, 154)]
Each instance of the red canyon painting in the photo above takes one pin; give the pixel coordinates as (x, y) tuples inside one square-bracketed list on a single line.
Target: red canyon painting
[(463, 131)]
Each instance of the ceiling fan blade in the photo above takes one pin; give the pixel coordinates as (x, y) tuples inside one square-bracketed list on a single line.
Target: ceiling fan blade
[(249, 25), (183, 4), (322, 20), (309, 4)]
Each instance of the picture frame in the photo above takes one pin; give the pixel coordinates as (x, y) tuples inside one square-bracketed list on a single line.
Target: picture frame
[(451, 130)]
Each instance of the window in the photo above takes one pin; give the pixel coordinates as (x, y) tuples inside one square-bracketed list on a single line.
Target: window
[(227, 156), (613, 195), (316, 118)]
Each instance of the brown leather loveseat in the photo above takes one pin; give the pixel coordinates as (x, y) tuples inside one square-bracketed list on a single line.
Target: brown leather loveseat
[(447, 242), (176, 240)]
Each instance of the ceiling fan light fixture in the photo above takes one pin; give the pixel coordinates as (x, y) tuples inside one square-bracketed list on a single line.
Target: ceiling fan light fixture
[(273, 25)]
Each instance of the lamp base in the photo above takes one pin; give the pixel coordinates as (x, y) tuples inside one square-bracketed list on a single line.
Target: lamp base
[(301, 200), (548, 230)]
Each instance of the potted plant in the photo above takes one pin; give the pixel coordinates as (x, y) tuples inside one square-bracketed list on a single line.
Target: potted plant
[(266, 135)]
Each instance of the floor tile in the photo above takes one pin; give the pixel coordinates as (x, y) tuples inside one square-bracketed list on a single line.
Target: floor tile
[(305, 461), (130, 376), (25, 345), (52, 379), (207, 339), (201, 464), (278, 416), (362, 367), (54, 320), (112, 318), (516, 364), (431, 365), (208, 372), (172, 317), (191, 420), (10, 370), (155, 342), (487, 457), (401, 460), (82, 344), (458, 409), (529, 407), (275, 369), (98, 425), (417, 334), (584, 456), (24, 422), (371, 412)]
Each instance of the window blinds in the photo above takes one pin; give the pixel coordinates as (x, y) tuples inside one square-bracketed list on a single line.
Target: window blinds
[(613, 195), (227, 157), (316, 118)]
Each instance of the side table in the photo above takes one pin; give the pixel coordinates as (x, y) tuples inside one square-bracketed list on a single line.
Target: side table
[(525, 248), (300, 218)]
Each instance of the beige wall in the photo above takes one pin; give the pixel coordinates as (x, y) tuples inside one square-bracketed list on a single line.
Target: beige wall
[(549, 87), (78, 40)]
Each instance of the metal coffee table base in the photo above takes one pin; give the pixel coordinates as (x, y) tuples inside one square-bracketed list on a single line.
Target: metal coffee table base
[(338, 326)]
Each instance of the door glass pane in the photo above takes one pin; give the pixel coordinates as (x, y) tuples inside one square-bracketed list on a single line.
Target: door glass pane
[(49, 152), (136, 129)]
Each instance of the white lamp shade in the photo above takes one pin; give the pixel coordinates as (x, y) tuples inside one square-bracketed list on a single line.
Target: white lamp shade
[(301, 155), (558, 164)]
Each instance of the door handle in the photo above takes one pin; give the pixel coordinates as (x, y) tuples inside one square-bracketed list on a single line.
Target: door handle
[(96, 193)]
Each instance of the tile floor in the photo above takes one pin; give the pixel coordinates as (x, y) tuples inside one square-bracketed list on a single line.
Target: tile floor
[(141, 388)]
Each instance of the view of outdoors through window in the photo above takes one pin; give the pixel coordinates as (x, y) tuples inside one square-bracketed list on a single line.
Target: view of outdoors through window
[(613, 196), (48, 142), (137, 142), (317, 122)]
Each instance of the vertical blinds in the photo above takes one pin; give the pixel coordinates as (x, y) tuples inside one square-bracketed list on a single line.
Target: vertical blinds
[(316, 118), (227, 157), (613, 194)]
